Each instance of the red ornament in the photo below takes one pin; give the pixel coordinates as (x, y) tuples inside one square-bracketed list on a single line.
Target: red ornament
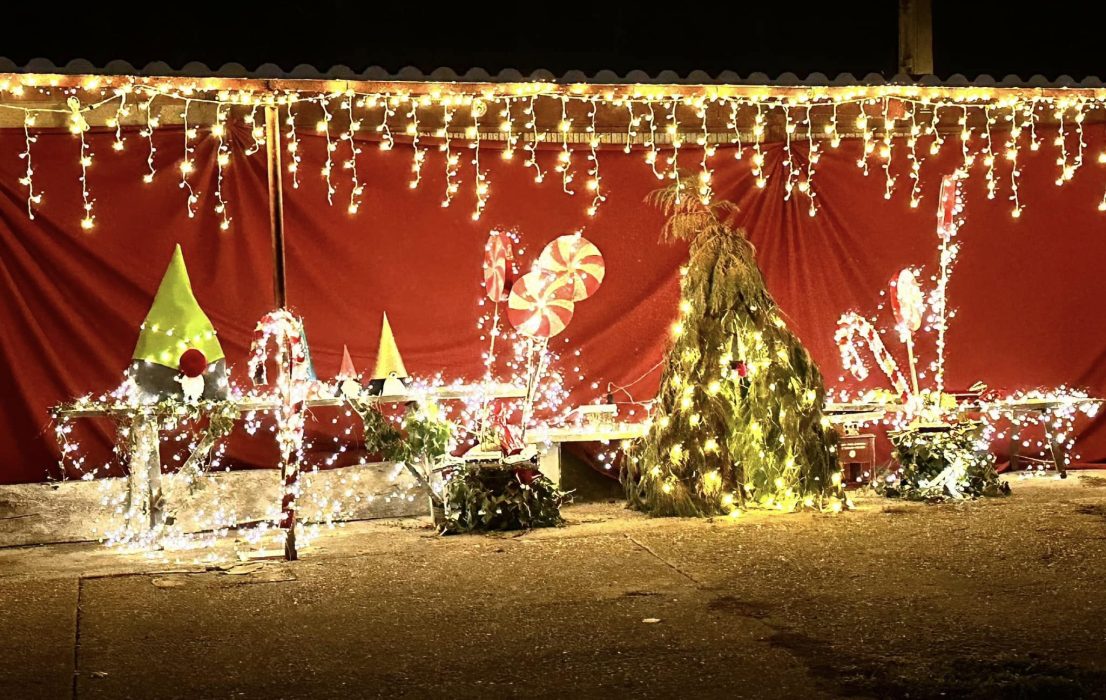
[(192, 363), (527, 475), (741, 368)]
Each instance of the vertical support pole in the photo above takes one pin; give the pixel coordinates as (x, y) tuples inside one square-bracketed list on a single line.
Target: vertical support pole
[(915, 37), (276, 203)]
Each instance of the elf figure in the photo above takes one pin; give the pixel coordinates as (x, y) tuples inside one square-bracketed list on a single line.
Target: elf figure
[(178, 353), (348, 380)]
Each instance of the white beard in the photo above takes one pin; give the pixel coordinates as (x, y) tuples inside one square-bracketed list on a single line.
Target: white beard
[(193, 387)]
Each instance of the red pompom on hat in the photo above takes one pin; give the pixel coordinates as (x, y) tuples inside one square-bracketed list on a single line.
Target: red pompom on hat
[(192, 363)]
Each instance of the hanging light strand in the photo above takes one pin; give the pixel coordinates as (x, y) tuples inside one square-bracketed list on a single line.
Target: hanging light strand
[(564, 158), (595, 182), (806, 186), (479, 174), (257, 131), (706, 173), (352, 127), (532, 145), (451, 160), (186, 165), (323, 127), (915, 173), (418, 155), (27, 180), (148, 133), (222, 160)]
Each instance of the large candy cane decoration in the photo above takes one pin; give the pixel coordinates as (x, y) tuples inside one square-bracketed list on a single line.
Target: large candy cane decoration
[(849, 327), (285, 333)]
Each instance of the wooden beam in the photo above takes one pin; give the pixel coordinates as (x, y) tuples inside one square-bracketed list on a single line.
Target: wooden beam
[(915, 37), (276, 204)]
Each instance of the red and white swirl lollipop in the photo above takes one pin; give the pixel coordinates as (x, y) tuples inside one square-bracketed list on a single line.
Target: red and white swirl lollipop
[(577, 261), (497, 256), (540, 306)]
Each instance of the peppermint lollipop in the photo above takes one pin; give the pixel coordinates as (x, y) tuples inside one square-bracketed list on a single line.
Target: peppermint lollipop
[(907, 301), (539, 306), (497, 253), (577, 261)]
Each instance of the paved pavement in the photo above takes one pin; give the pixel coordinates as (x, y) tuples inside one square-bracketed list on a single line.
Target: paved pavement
[(996, 598)]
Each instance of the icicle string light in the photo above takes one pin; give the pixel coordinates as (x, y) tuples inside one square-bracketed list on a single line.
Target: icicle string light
[(583, 109), (27, 180), (351, 163), (186, 165), (323, 127), (222, 160)]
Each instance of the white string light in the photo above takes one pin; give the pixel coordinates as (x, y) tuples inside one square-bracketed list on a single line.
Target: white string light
[(148, 133), (351, 163), (564, 158), (186, 165), (451, 158), (293, 146), (594, 180), (758, 156), (532, 146), (323, 127), (222, 160), (418, 155), (476, 109), (27, 180)]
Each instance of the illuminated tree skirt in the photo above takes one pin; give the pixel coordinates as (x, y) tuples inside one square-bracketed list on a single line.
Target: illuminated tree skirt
[(941, 463), (487, 496)]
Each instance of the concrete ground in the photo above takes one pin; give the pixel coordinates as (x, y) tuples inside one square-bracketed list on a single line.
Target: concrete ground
[(997, 598)]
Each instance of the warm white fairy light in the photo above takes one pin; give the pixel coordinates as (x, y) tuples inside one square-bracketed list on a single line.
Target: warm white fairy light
[(758, 156), (257, 129), (323, 127), (1012, 150), (116, 121), (869, 146), (967, 158), (1080, 141), (706, 151), (732, 124), (147, 133), (652, 154), (418, 155), (222, 160), (886, 149), (632, 123), (79, 126), (935, 132), (480, 175), (564, 158), (293, 146), (672, 128), (1030, 108), (531, 146), (988, 152), (831, 128), (353, 125), (27, 180), (507, 126), (186, 165), (1061, 142), (788, 156), (388, 104), (915, 173), (451, 160), (595, 182), (806, 186)]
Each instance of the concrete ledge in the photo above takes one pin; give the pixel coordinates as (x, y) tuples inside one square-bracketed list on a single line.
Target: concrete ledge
[(75, 511)]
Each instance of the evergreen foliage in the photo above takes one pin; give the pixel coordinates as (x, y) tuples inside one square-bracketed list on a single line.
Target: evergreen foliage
[(738, 420)]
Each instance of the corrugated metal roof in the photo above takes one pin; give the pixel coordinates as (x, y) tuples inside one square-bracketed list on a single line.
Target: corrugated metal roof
[(271, 71)]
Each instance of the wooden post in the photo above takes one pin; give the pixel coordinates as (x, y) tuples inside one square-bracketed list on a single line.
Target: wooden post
[(915, 37), (276, 203)]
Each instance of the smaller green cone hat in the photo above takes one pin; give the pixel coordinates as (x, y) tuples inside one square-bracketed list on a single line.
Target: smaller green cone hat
[(175, 321)]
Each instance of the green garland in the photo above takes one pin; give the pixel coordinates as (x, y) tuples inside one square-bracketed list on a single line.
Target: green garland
[(942, 464), (480, 498)]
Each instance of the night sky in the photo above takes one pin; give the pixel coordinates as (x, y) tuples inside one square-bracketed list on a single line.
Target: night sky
[(770, 37)]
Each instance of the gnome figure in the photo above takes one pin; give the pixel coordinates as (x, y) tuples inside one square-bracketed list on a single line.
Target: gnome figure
[(390, 377), (178, 353), (347, 378)]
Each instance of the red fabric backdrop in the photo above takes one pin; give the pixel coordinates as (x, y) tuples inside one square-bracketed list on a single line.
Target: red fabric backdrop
[(1027, 291)]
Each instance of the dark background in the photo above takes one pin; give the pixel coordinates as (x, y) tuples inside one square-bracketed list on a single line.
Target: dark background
[(860, 37)]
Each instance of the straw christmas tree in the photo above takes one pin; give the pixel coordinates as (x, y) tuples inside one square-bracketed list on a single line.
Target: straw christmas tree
[(738, 418)]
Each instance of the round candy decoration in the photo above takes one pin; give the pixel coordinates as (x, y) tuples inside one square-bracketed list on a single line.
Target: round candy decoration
[(907, 300), (539, 306), (577, 261), (497, 260)]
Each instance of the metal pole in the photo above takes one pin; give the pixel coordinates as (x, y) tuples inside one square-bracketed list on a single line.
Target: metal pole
[(276, 203)]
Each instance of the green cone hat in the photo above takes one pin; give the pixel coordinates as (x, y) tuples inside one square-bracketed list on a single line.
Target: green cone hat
[(176, 322)]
